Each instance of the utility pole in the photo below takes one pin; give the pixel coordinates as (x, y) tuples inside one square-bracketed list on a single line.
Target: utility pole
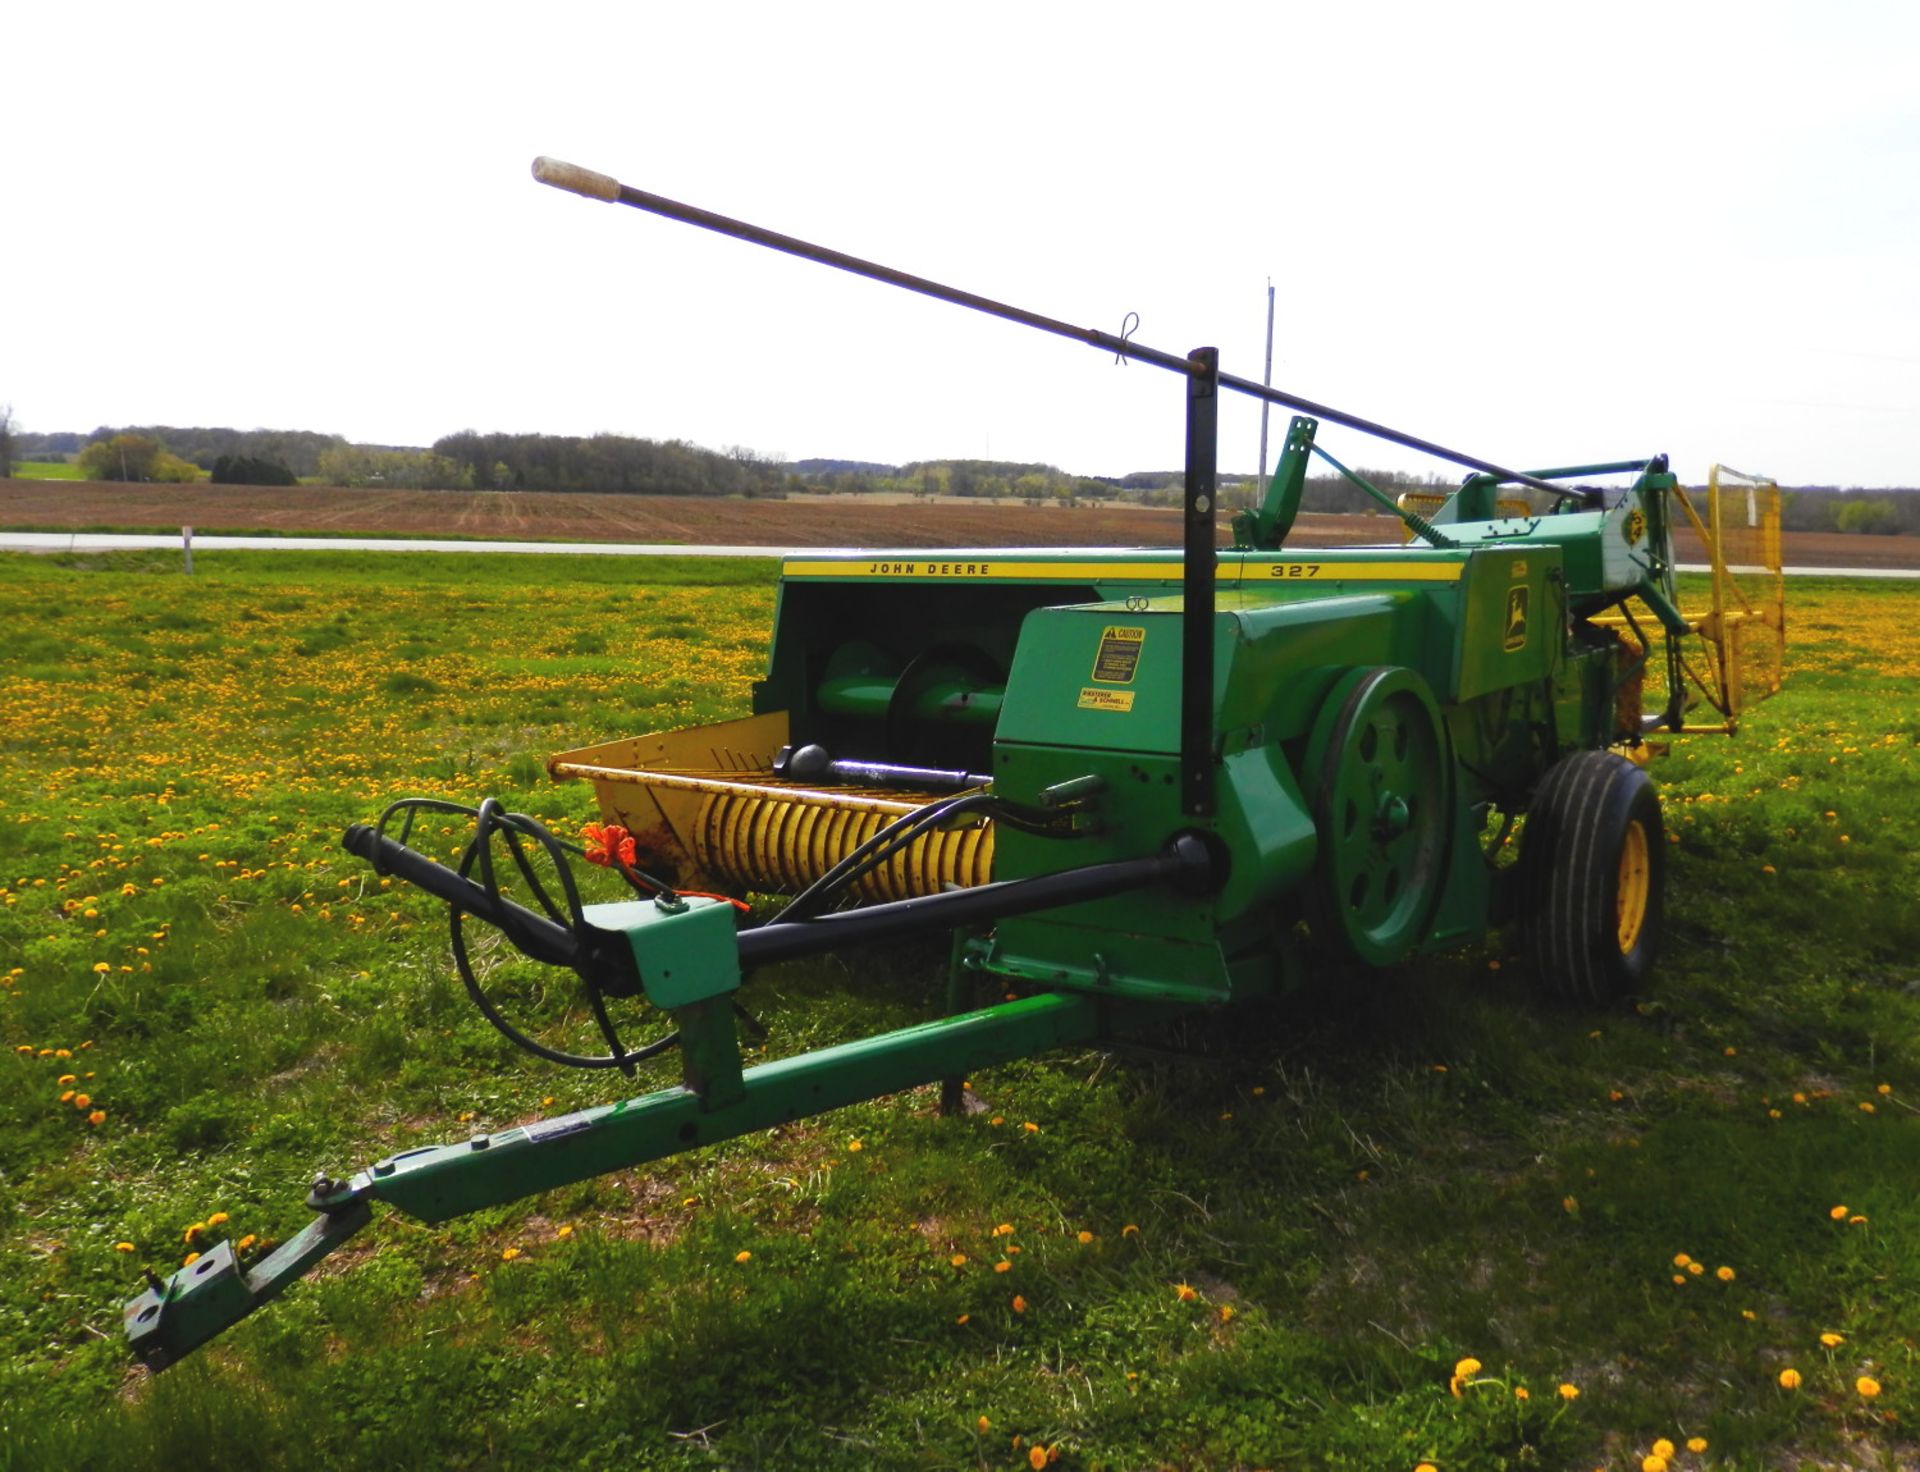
[(1266, 380)]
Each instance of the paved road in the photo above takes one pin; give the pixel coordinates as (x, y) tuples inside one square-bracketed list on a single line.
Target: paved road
[(134, 541)]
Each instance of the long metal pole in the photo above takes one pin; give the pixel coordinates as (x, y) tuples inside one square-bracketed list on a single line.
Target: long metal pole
[(1266, 381), (577, 180)]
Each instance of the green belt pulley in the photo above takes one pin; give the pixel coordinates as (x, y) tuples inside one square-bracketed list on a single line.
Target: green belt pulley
[(1381, 773)]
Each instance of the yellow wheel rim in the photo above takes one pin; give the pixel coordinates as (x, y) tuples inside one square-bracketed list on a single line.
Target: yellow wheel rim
[(1635, 883)]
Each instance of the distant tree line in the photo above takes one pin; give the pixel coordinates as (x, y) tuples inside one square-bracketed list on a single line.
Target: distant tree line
[(471, 460), (1829, 508), (608, 462), (297, 449), (135, 457), (992, 479), (252, 470)]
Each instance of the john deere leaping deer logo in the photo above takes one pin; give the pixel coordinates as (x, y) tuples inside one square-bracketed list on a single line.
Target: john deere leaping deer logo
[(1636, 526), (1516, 619)]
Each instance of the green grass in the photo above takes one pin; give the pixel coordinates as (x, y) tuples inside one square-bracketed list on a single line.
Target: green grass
[(1377, 1177), (46, 470)]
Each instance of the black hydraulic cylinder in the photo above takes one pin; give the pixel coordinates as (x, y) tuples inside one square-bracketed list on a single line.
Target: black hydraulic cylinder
[(1186, 862)]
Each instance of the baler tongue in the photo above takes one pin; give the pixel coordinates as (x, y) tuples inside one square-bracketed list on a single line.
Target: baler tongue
[(214, 1292)]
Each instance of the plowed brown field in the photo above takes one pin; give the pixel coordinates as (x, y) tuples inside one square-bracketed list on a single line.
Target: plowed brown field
[(837, 521)]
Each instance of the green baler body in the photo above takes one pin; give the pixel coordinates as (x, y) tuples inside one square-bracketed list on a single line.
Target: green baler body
[(1050, 666)]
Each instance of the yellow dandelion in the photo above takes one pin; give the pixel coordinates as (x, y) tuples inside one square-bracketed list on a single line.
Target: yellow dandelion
[(1748, 1314), (1036, 1457), (1724, 1274), (1185, 1292), (1019, 1304), (1856, 1220), (1085, 1236), (66, 1078), (1005, 1229), (1520, 1392), (1696, 1444), (1838, 1213), (1467, 1368), (1866, 1106), (508, 1254), (190, 1259), (743, 1256), (1226, 1313), (1867, 1386), (97, 1117), (983, 1425), (83, 1101), (563, 1231), (1129, 1230), (1454, 1384), (1883, 1089), (1696, 1268), (1653, 1463), (855, 1146), (1680, 1259), (1003, 1266), (1569, 1391), (1569, 1204), (1832, 1340), (1680, 1279), (1789, 1379), (193, 1231), (964, 1319), (123, 1247), (959, 1259), (245, 1242), (1663, 1448), (1030, 1127), (218, 1219)]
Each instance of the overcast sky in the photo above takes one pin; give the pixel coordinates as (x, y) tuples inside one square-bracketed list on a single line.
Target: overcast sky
[(1538, 233)]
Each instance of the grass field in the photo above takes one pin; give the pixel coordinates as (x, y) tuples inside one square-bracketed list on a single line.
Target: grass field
[(46, 470), (1261, 1242)]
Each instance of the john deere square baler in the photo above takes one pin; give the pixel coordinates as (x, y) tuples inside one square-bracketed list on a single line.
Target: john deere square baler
[(1130, 784)]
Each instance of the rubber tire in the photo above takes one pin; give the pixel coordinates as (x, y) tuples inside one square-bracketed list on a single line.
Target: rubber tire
[(1570, 877)]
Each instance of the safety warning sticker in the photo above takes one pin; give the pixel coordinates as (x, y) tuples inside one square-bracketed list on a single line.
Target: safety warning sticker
[(1119, 656)]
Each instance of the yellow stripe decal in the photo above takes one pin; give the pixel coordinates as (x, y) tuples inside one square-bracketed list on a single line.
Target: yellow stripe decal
[(1247, 573)]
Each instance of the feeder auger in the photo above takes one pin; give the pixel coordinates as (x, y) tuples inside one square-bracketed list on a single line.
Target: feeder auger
[(1130, 783)]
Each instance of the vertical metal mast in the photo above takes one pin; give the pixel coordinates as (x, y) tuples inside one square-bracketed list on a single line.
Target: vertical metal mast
[(1266, 407)]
